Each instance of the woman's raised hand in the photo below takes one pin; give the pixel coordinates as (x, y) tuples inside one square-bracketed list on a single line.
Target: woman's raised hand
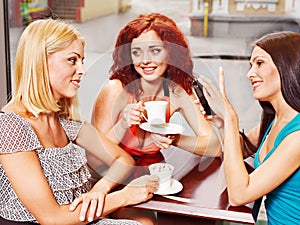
[(217, 99), (229, 113), (213, 94)]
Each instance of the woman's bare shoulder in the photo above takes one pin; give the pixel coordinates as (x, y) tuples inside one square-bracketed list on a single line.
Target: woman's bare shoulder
[(112, 88), (115, 84)]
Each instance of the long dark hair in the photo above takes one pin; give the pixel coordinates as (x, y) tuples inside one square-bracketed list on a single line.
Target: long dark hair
[(180, 65), (284, 49)]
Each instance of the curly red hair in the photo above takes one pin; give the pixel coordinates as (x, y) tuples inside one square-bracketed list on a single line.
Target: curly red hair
[(180, 64)]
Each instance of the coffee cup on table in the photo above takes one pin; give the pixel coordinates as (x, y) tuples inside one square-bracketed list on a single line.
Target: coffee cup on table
[(156, 112), (164, 171)]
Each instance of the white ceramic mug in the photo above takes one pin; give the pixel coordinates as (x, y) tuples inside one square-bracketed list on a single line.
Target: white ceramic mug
[(156, 112), (164, 171)]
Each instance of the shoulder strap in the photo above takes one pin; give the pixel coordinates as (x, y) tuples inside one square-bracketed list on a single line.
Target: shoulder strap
[(166, 88)]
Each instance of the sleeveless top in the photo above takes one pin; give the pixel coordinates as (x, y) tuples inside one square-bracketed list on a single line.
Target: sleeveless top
[(65, 168), (283, 203), (130, 142)]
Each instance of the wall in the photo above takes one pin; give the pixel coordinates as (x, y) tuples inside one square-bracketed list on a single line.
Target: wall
[(124, 5), (246, 19), (257, 8), (96, 8)]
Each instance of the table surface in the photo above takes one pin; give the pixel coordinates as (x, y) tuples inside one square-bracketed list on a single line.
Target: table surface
[(204, 187)]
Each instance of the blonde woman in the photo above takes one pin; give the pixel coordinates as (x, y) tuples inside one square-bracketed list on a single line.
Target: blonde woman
[(43, 169)]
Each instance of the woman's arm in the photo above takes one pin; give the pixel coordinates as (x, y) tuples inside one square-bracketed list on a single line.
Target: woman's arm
[(216, 101), (206, 141), (112, 114), (29, 183), (97, 145), (139, 190), (242, 187), (26, 176)]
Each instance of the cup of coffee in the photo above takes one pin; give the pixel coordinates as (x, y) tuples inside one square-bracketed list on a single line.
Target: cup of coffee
[(164, 171), (156, 112)]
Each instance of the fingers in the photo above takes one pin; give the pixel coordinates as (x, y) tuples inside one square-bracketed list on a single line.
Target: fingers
[(92, 206), (133, 113), (208, 84), (147, 185), (75, 203), (162, 141), (136, 111), (84, 208), (100, 203), (202, 110), (153, 179), (151, 184), (197, 102), (222, 81), (152, 188), (134, 117), (138, 190), (95, 206)]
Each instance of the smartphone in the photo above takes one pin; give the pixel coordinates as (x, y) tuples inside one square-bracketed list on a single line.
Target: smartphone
[(197, 87)]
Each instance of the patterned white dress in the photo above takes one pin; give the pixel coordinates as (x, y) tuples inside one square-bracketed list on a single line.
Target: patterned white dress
[(65, 168)]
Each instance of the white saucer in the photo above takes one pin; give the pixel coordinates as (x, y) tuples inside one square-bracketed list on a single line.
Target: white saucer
[(176, 187), (167, 128)]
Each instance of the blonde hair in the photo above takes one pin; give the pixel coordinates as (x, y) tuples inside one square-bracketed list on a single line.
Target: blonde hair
[(32, 89)]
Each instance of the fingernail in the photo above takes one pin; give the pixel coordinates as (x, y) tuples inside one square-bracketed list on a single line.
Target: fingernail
[(221, 68), (81, 218), (90, 219), (71, 207)]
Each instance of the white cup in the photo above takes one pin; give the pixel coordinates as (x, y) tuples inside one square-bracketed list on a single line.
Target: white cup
[(156, 112), (164, 171)]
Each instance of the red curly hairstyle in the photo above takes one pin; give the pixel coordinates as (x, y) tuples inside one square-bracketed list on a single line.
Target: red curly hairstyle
[(180, 65)]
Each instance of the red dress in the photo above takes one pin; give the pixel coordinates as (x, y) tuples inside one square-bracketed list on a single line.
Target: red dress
[(130, 142), (145, 155)]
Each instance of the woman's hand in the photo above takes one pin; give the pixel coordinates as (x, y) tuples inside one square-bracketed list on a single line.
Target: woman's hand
[(212, 119), (216, 97), (217, 100), (132, 113), (162, 141), (92, 205), (140, 189), (229, 114), (213, 96)]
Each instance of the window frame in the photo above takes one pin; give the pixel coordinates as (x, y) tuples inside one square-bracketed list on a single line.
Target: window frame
[(5, 64)]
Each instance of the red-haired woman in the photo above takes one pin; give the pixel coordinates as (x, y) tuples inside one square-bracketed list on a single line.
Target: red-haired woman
[(151, 61)]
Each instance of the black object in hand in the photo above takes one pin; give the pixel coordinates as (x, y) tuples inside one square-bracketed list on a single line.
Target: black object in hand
[(199, 93)]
